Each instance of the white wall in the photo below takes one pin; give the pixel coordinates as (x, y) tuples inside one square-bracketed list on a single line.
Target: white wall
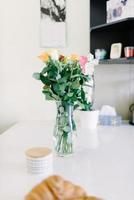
[(20, 94), (115, 86)]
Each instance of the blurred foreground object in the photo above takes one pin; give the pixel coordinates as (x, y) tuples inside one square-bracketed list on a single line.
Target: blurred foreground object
[(56, 188)]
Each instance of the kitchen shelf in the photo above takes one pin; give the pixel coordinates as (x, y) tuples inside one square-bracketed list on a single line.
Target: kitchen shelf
[(120, 24), (103, 35), (117, 61)]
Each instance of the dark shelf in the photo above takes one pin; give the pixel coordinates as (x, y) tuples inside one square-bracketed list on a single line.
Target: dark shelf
[(117, 24), (103, 35), (117, 61)]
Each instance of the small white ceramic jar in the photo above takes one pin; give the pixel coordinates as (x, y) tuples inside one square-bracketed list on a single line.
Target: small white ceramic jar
[(39, 161)]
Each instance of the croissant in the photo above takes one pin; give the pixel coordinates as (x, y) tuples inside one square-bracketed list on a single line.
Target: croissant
[(56, 188), (86, 198)]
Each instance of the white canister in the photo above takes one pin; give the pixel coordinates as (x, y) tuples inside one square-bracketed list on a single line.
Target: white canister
[(89, 119), (39, 161)]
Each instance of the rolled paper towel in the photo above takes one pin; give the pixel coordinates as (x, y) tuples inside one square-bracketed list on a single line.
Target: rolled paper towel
[(108, 111)]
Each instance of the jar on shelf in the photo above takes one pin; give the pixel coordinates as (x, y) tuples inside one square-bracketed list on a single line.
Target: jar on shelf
[(100, 54), (129, 52)]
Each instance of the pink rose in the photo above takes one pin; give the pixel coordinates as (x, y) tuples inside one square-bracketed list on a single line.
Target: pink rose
[(83, 60)]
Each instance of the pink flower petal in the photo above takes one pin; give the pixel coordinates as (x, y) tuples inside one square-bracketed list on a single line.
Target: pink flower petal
[(83, 61)]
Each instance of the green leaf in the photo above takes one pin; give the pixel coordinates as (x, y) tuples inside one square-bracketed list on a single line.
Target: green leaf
[(49, 92), (74, 125), (45, 80), (48, 96), (86, 78), (45, 69), (62, 88), (63, 121), (70, 94), (76, 84), (87, 106), (80, 104), (76, 76), (62, 80), (56, 88), (59, 89), (66, 129), (53, 72), (36, 76), (83, 94)]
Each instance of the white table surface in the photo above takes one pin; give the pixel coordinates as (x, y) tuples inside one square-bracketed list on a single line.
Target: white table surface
[(103, 163)]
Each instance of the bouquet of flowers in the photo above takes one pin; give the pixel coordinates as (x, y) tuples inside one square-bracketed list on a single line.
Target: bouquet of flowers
[(64, 79)]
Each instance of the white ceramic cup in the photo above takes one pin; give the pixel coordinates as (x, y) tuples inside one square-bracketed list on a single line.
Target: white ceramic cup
[(89, 119)]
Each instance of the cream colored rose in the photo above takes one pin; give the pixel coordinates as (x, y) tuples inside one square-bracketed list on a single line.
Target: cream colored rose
[(54, 54)]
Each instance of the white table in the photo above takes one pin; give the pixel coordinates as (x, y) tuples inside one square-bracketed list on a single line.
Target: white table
[(103, 163)]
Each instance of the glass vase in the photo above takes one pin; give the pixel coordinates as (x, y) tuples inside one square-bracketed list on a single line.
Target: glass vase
[(64, 130)]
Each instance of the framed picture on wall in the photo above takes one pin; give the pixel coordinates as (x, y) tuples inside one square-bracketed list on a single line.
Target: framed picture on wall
[(116, 50), (53, 23)]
